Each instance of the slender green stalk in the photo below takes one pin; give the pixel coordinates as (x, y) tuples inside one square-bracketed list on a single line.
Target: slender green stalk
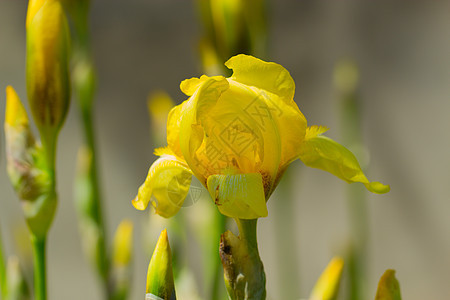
[(84, 86), (3, 280), (40, 286), (357, 256), (346, 83), (103, 264), (247, 232)]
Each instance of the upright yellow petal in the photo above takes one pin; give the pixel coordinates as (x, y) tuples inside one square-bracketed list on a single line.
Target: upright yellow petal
[(173, 129), (276, 88), (239, 196), (323, 153), (167, 185), (327, 286), (268, 76), (191, 132)]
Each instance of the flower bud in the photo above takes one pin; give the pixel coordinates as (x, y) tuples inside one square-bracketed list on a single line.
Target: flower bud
[(327, 286), (123, 244), (159, 275), (388, 287), (26, 167), (48, 83), (122, 256), (21, 148)]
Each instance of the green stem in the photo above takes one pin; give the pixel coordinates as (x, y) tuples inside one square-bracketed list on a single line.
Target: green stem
[(103, 263), (357, 256), (247, 233), (350, 103), (244, 272), (3, 282), (40, 287)]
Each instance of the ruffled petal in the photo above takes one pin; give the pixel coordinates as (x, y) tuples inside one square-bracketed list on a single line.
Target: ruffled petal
[(323, 153), (166, 186), (239, 196), (267, 76), (276, 88), (191, 134), (173, 129)]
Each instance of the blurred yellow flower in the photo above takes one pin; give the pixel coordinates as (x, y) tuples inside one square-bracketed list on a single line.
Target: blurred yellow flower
[(327, 286), (237, 135), (123, 244)]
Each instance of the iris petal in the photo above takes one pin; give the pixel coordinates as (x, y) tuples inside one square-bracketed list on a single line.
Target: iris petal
[(167, 185), (276, 88), (191, 134), (268, 76), (323, 153)]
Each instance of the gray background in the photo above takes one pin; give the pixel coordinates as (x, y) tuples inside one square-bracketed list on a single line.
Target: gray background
[(403, 50)]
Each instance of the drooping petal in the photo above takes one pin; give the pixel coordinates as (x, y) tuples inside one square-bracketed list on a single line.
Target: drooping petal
[(166, 186), (238, 196), (323, 153)]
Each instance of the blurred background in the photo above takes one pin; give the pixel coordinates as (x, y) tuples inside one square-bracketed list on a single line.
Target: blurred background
[(403, 53)]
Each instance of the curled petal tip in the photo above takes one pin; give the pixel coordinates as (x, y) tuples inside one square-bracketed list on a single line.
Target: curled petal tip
[(378, 187), (138, 204)]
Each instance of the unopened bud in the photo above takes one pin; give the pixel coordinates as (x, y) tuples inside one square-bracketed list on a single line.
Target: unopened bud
[(159, 275), (26, 167), (388, 287), (48, 83), (327, 286)]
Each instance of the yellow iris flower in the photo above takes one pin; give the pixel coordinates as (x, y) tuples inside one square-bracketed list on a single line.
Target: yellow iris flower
[(237, 135)]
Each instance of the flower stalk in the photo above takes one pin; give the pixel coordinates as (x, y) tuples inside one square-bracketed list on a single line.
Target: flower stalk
[(346, 81), (3, 279), (88, 197), (40, 287), (243, 270)]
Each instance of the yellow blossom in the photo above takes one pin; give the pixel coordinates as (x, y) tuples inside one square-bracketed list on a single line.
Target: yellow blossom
[(237, 135)]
